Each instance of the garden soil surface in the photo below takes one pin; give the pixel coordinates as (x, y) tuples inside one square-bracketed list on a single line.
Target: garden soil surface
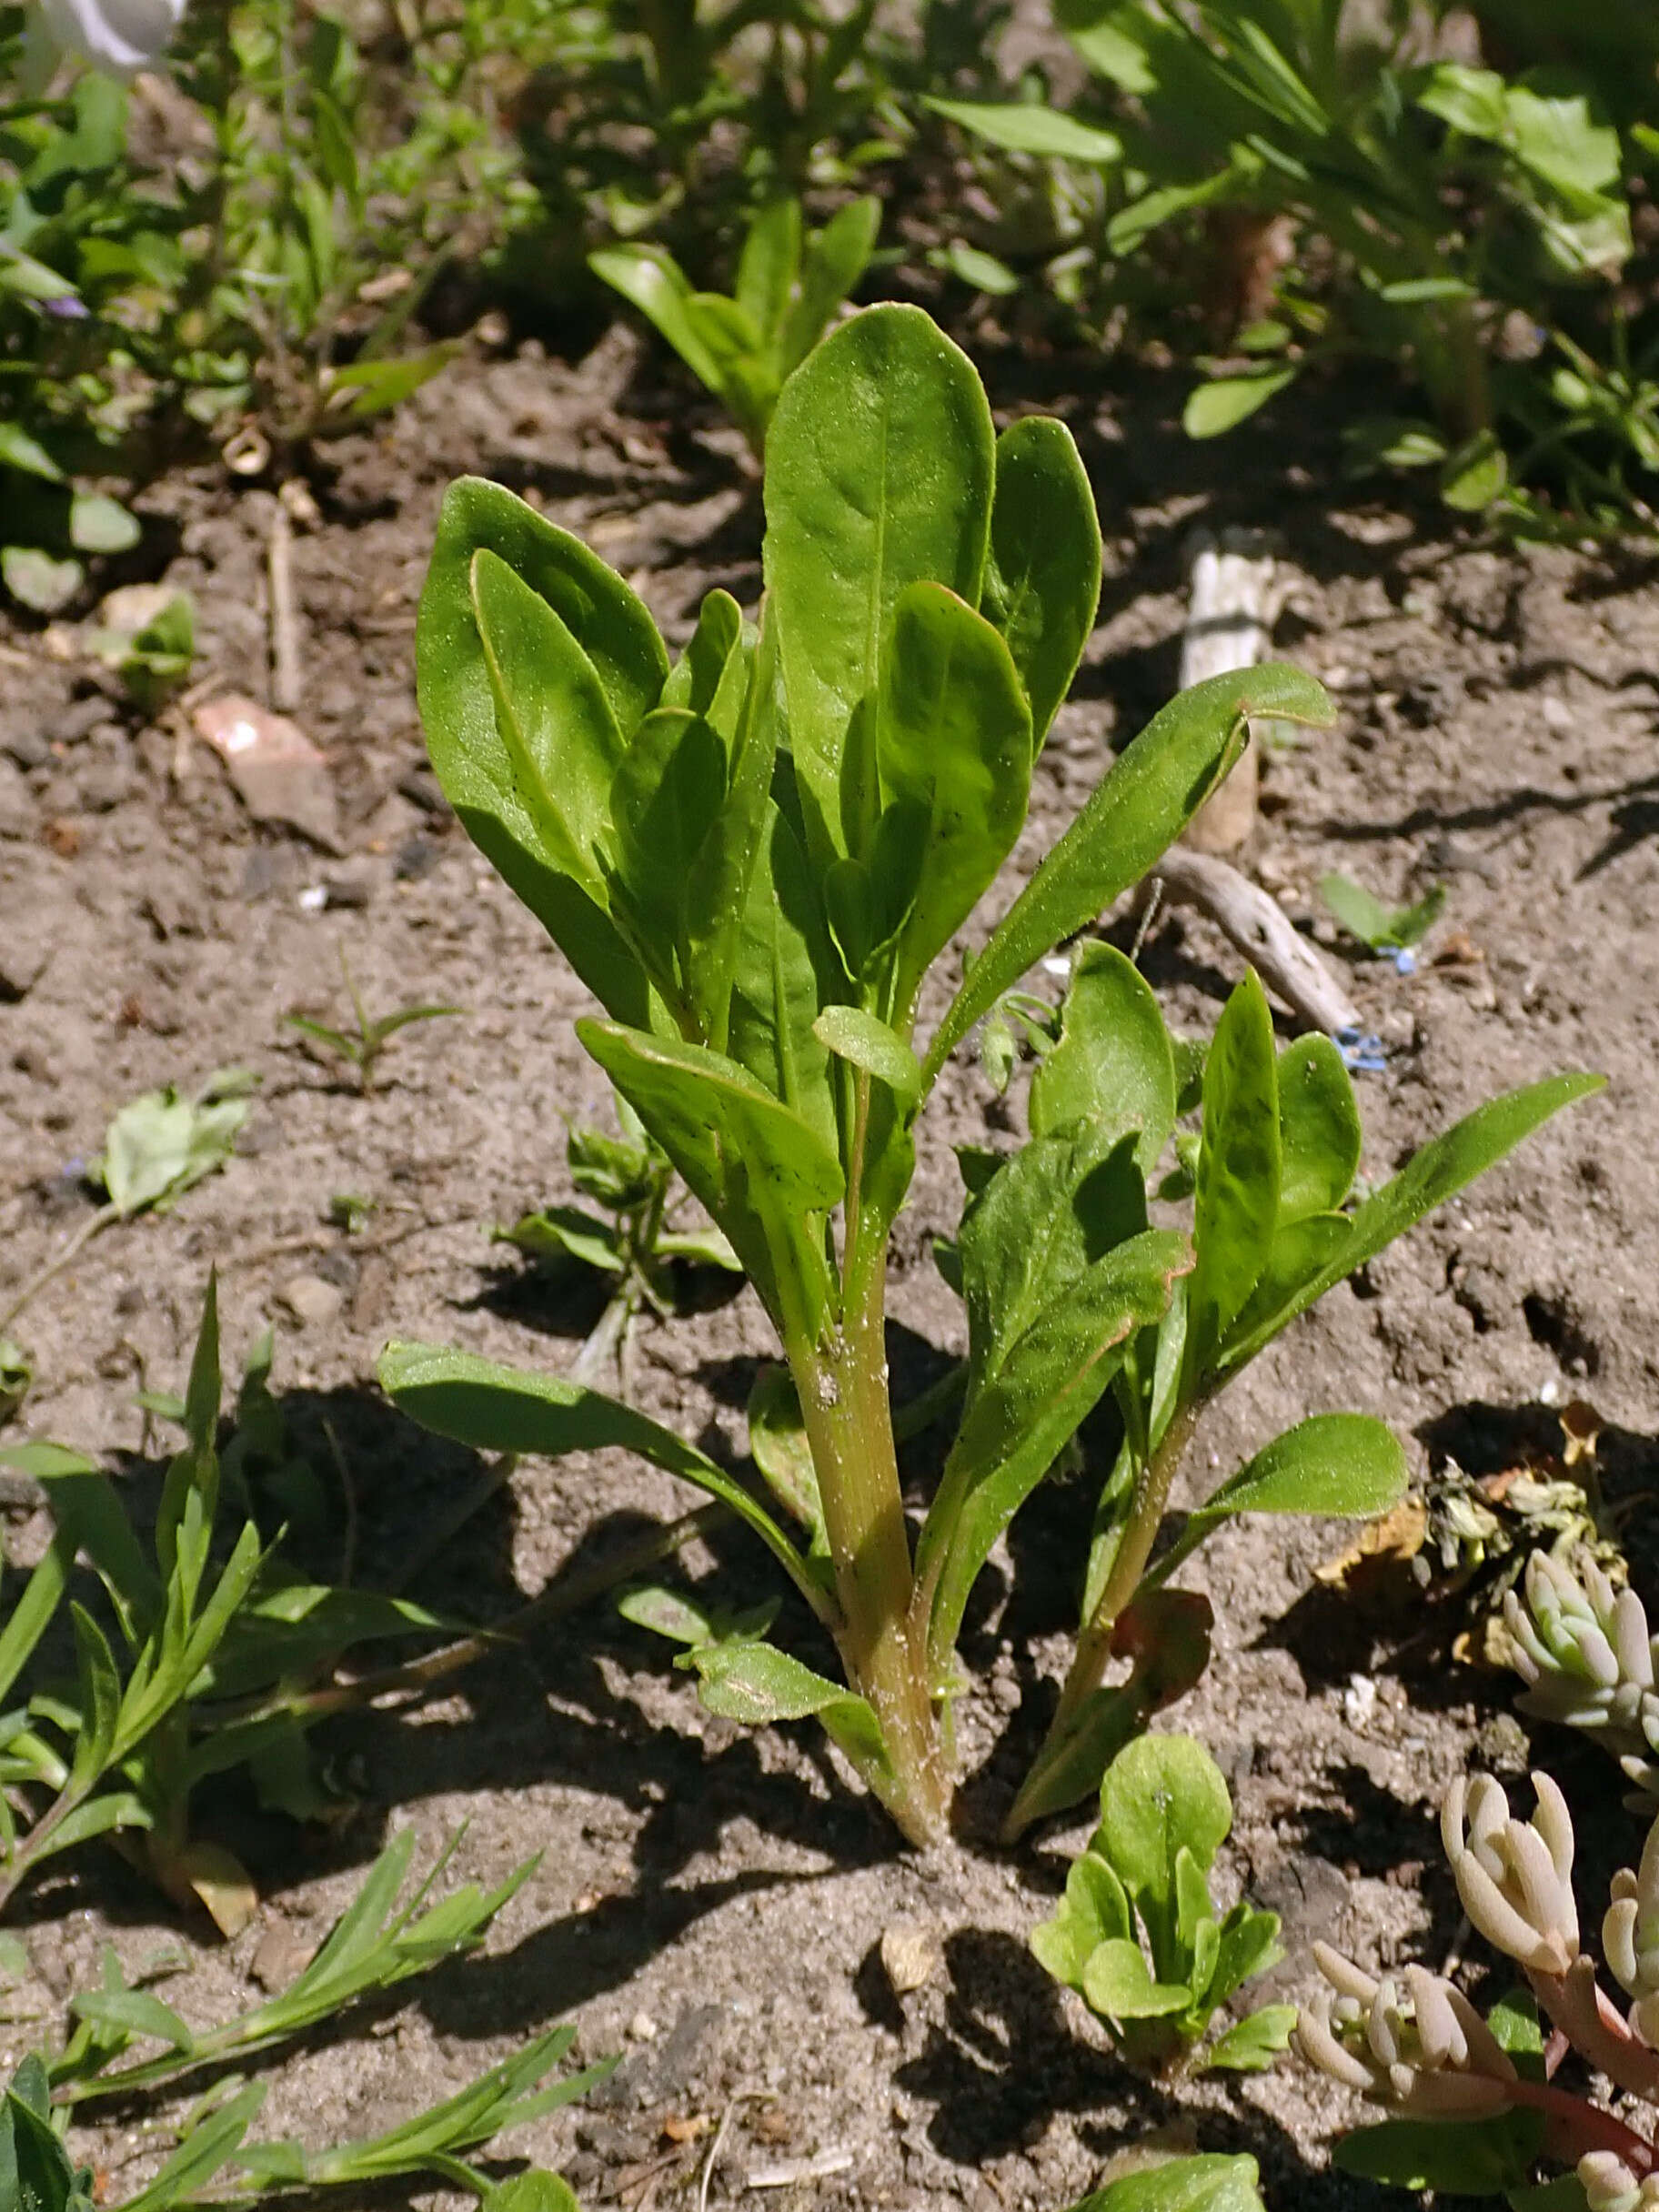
[(711, 1903)]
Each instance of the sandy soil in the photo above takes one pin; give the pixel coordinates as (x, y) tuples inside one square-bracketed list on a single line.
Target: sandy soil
[(711, 1903)]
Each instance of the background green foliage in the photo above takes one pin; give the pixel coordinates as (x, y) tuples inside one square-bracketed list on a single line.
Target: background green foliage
[(293, 226)]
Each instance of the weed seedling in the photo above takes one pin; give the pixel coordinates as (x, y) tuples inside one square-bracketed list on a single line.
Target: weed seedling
[(362, 1051), (629, 1244), (1137, 1935), (380, 1941), (212, 1658), (1394, 930), (792, 282), (157, 1147)]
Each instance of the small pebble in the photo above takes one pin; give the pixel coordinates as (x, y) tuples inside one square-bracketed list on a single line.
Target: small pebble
[(910, 1955), (312, 1302)]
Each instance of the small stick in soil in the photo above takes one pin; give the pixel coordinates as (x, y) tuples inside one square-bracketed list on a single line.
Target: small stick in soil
[(60, 1259), (419, 1676), (285, 677), (1259, 928), (348, 1492), (743, 2096)]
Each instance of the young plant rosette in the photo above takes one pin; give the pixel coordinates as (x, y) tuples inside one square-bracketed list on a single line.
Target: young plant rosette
[(754, 860)]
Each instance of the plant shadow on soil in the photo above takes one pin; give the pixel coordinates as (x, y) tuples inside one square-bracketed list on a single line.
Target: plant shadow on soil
[(1001, 2064)]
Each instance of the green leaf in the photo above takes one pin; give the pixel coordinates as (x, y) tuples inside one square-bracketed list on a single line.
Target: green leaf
[(835, 259), (1161, 1794), (1236, 1202), (1023, 126), (537, 2191), (778, 956), (134, 2013), (728, 877), (366, 386), (1134, 224), (1216, 407), (37, 582), (101, 525), (27, 1617), (762, 1169), (880, 467), (860, 1039), (98, 1695), (745, 377), (711, 676), (20, 450), (1118, 1982), (1432, 1176), (1319, 1135), (1516, 2028), (769, 267), (1460, 2158), (561, 1234), (1042, 585), (36, 2174), (756, 1682), (1474, 475), (160, 1145), (666, 800), (1051, 1377), (1252, 2046), (1138, 810), (497, 1409), (667, 1613), (1564, 2194), (954, 741), (1033, 1230), (1208, 2182), (1070, 1767), (970, 265), (1383, 929), (1392, 441), (778, 1443), (1249, 1944), (1094, 1911), (211, 2144), (1112, 1062), (474, 762), (653, 282), (552, 716), (1348, 1466)]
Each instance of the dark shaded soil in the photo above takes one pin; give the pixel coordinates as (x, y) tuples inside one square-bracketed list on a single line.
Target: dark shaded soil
[(709, 1901)]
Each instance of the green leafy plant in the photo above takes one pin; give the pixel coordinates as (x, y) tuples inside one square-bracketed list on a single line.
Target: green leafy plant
[(74, 237), (792, 282), (1478, 2103), (380, 1941), (1352, 200), (153, 660), (630, 1242), (16, 1379), (1205, 2182), (1381, 929), (362, 1052), (212, 1654), (754, 860), (1270, 1179), (1137, 1934), (158, 1146)]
